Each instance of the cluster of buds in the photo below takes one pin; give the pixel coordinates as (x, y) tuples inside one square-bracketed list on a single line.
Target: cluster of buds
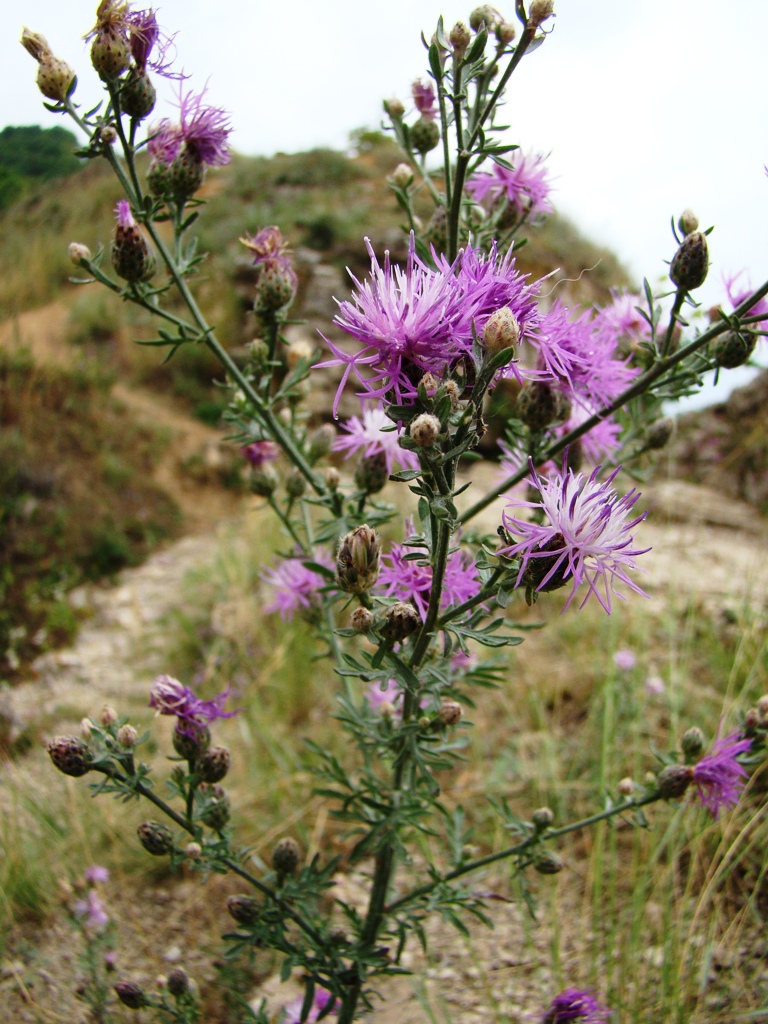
[(55, 78)]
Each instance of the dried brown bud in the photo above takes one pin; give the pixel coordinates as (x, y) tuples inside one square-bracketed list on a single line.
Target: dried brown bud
[(692, 743), (459, 38), (178, 982), (400, 620), (216, 810), (673, 781), (660, 432), (539, 11), (548, 863), (244, 909), (361, 620), (70, 755), (450, 712), (542, 818), (286, 856), (214, 764), (626, 786), (372, 473), (155, 837), (538, 405), (357, 562), (425, 429), (130, 994), (191, 740)]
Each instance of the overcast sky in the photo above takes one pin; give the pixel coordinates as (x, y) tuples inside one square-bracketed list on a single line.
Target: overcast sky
[(645, 106)]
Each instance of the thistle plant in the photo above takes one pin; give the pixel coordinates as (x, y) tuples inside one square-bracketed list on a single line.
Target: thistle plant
[(405, 625)]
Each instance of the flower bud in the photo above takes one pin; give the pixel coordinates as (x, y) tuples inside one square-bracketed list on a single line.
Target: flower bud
[(402, 176), (502, 330), (751, 720), (733, 348), (688, 222), (400, 620), (85, 728), (286, 856), (275, 288), (108, 716), (690, 263), (425, 430), (762, 707), (485, 15), (110, 54), (108, 135), (660, 432), (450, 712), (394, 108), (214, 764), (505, 33), (216, 811), (185, 176), (321, 442), (159, 178), (437, 229), (361, 620), (35, 45), (258, 353), (542, 818), (178, 982), (539, 11), (190, 740), (70, 755), (79, 253), (127, 736), (459, 39), (155, 837), (673, 781), (299, 350), (193, 851), (548, 862), (332, 478), (264, 480), (626, 786), (357, 562), (295, 483), (137, 95), (692, 743), (539, 568), (538, 405), (425, 135), (130, 994), (130, 252), (372, 474), (244, 909)]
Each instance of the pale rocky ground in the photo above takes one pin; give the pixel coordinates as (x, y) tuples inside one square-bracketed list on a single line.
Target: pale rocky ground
[(703, 545)]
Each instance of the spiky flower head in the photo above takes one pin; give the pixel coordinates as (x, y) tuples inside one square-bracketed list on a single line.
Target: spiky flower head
[(205, 129), (585, 537), (368, 433), (150, 47), (719, 777), (576, 1004), (170, 697), (524, 184), (70, 755)]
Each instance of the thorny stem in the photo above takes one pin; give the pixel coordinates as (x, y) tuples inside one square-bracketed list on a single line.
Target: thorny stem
[(511, 851), (640, 385)]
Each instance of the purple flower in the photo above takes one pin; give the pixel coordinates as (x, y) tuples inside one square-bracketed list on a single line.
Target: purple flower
[(525, 185), (417, 320), (738, 293), (391, 693), (95, 874), (292, 1010), (424, 99), (367, 434), (410, 581), (94, 910), (123, 214), (718, 776), (205, 129), (269, 248), (295, 585), (259, 452), (576, 1004), (144, 34), (624, 659), (585, 537), (165, 141), (170, 697), (654, 685)]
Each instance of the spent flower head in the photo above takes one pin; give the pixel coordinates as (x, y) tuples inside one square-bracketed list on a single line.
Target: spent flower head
[(586, 536), (424, 99)]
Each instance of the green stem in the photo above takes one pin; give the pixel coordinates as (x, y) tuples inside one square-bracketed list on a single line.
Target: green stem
[(639, 386), (487, 592), (677, 305), (511, 851)]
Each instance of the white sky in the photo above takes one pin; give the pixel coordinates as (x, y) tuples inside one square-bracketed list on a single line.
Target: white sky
[(645, 106)]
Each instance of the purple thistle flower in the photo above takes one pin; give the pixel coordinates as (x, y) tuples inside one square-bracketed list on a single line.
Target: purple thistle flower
[(259, 452), (525, 185), (170, 697), (144, 34), (417, 320), (718, 776), (94, 910), (205, 129), (95, 873), (576, 1004), (424, 99), (270, 249), (586, 539), (295, 585), (368, 435), (624, 659), (123, 214), (292, 1010), (738, 293), (407, 580), (620, 319), (165, 141), (390, 693)]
